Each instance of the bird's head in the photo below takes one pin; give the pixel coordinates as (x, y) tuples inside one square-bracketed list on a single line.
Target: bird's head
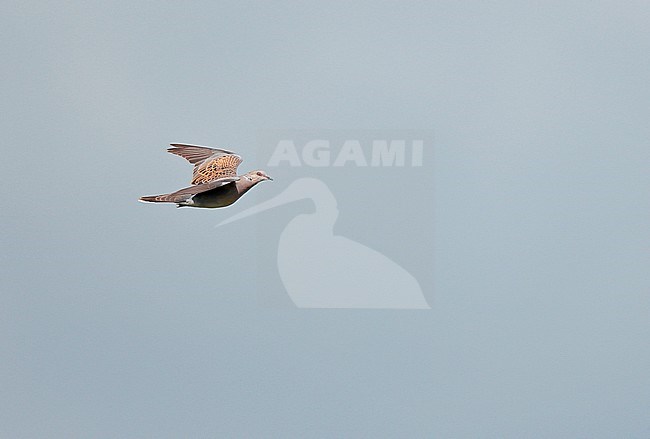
[(257, 176)]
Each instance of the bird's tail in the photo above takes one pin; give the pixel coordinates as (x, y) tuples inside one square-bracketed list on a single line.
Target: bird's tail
[(181, 196), (165, 198)]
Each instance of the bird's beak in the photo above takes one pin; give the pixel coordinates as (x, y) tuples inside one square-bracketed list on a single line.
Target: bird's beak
[(269, 178)]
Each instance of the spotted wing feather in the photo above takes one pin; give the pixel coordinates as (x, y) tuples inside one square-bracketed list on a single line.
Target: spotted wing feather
[(209, 163), (221, 166)]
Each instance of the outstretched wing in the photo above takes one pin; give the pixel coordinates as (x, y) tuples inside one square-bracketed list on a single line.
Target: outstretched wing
[(210, 164), (185, 194)]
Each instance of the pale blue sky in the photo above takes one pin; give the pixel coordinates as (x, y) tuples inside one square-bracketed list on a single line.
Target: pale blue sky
[(126, 320)]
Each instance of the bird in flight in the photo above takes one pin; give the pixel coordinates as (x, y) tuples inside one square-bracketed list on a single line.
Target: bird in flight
[(214, 181)]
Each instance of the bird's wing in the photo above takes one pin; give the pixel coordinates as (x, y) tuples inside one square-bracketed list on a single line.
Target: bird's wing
[(216, 167), (210, 164), (185, 193)]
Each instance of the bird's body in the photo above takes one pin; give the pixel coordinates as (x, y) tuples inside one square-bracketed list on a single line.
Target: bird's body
[(221, 196), (215, 182)]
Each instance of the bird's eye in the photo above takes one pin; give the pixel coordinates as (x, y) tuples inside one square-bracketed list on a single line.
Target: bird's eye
[(259, 173)]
